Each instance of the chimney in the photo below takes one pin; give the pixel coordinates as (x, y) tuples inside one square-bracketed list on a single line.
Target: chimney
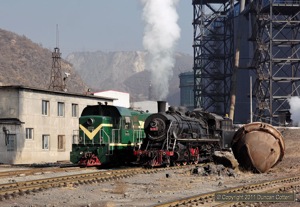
[(161, 106)]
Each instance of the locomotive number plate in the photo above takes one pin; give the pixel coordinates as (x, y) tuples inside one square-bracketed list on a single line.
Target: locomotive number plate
[(153, 129)]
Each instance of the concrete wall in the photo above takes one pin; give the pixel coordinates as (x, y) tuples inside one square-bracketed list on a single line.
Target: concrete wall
[(9, 103), (29, 105), (6, 156)]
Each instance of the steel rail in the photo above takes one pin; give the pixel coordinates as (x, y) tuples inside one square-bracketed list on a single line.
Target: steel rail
[(280, 185), (9, 190), (36, 171)]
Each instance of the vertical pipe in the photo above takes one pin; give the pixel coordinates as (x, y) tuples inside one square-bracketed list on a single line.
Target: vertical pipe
[(271, 64), (251, 113), (236, 65)]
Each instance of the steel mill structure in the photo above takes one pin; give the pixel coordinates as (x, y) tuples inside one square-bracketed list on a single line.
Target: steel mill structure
[(273, 44), (213, 54)]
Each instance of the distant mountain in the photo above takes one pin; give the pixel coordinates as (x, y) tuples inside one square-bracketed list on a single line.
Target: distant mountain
[(23, 62), (125, 72)]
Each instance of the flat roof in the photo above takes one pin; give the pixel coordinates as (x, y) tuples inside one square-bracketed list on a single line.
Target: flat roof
[(20, 87)]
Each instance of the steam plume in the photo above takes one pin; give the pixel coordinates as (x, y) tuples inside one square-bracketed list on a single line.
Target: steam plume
[(161, 33), (295, 109)]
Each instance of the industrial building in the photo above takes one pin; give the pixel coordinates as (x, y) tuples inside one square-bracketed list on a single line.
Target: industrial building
[(147, 106), (39, 126), (186, 90), (121, 98), (237, 40)]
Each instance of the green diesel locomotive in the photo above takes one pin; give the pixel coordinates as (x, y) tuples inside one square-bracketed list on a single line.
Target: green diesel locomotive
[(107, 135)]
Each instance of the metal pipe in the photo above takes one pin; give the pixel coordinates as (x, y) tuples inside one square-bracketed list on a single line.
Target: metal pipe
[(251, 113), (236, 65)]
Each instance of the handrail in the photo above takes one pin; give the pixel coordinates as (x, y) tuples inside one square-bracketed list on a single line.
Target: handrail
[(139, 133)]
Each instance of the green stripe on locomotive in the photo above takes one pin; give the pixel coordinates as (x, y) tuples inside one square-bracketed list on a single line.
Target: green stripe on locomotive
[(110, 132)]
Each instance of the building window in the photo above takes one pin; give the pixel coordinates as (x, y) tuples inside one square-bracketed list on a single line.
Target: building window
[(60, 109), (45, 141), (45, 107), (61, 142), (29, 133), (11, 142), (74, 110), (75, 139)]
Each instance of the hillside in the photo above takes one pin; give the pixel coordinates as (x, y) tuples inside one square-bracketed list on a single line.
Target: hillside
[(23, 62), (125, 71)]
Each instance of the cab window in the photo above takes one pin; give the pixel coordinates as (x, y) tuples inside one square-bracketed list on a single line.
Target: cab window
[(127, 122)]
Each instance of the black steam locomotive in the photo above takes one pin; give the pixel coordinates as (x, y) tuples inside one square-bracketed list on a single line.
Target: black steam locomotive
[(179, 137)]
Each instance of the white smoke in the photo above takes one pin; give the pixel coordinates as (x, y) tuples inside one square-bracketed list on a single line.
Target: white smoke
[(161, 33), (295, 109)]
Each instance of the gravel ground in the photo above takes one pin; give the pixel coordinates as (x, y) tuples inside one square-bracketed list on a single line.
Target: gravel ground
[(153, 189)]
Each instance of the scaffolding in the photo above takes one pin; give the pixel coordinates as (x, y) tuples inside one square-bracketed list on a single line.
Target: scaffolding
[(276, 60), (213, 54)]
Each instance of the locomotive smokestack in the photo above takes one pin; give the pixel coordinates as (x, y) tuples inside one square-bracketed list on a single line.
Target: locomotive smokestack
[(161, 106)]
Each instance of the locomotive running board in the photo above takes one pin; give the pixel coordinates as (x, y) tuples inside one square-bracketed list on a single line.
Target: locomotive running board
[(198, 140)]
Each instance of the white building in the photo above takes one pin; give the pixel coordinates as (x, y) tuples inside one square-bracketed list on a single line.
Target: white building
[(120, 98), (150, 106), (38, 126)]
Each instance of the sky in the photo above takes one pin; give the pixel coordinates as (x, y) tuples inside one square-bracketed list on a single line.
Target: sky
[(88, 25)]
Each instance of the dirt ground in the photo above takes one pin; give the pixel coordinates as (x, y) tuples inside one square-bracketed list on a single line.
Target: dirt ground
[(153, 189)]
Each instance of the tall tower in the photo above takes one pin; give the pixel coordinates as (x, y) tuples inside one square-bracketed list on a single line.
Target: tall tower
[(276, 37), (56, 81), (213, 54)]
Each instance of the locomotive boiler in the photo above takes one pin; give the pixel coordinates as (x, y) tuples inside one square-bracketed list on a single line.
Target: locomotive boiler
[(178, 136)]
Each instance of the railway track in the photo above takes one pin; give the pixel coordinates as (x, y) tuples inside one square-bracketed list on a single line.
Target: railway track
[(290, 185), (242, 195), (10, 190), (37, 171)]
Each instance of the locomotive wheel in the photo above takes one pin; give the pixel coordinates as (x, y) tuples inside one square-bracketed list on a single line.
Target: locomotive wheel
[(197, 160), (167, 163), (176, 163), (184, 163)]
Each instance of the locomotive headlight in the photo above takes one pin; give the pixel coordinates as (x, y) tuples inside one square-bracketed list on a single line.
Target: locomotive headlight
[(90, 121), (156, 127), (153, 126)]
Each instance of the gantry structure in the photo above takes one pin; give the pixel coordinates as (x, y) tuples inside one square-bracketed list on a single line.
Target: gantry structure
[(276, 60), (213, 54), (274, 30)]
